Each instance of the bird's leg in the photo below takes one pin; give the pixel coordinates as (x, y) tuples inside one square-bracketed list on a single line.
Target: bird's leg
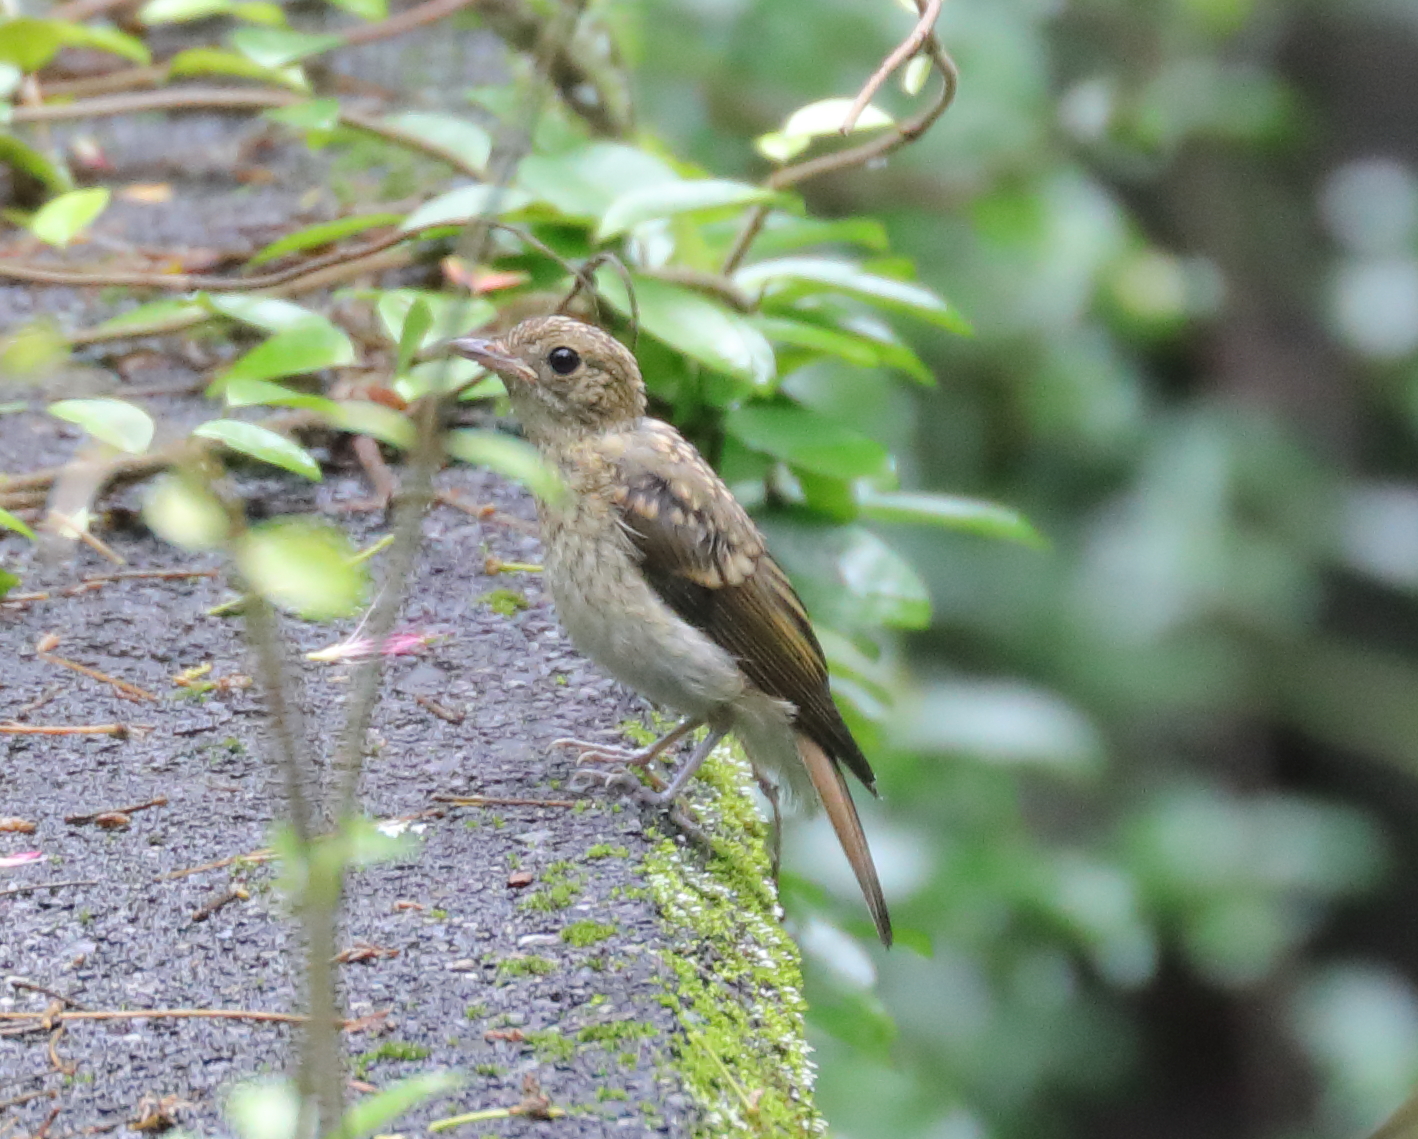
[(682, 776), (629, 757), (775, 846)]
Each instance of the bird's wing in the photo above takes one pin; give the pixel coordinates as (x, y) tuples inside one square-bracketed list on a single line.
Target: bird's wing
[(706, 559)]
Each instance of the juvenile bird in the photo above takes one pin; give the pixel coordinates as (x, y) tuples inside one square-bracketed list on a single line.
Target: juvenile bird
[(661, 577)]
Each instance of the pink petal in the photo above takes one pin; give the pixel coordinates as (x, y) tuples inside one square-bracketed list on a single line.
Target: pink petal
[(21, 858)]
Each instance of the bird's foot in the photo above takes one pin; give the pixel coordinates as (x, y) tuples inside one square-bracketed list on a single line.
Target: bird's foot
[(618, 779), (608, 753)]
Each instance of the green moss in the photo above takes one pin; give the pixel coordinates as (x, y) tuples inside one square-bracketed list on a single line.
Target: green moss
[(550, 1045), (487, 1069), (604, 1093), (529, 965), (606, 850), (559, 887), (505, 602), (735, 977), (617, 1032), (389, 1050), (475, 1012), (584, 933)]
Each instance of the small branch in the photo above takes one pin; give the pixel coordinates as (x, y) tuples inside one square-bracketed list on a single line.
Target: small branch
[(178, 1014), (122, 687), (903, 134), (263, 855), (232, 99), (84, 820), (908, 47), (37, 886), (701, 281), (406, 21), (490, 801), (9, 727)]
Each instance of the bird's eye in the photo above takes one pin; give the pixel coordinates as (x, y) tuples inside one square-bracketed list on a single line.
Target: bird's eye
[(564, 361)]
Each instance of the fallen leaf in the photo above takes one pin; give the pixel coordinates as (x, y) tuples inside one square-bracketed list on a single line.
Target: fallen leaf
[(147, 193), (13, 825)]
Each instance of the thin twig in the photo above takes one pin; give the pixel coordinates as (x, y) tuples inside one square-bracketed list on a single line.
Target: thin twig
[(84, 820), (36, 886), (176, 1014), (263, 855), (908, 47), (428, 12), (122, 687), (491, 801), (445, 714), (10, 728), (902, 134), (233, 99), (30, 986)]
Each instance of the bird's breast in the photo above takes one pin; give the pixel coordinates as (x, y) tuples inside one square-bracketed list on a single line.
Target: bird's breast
[(614, 616)]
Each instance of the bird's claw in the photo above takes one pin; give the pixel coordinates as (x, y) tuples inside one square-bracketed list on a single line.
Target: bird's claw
[(617, 780), (605, 753)]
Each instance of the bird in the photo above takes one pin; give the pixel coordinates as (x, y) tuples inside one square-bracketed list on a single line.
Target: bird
[(661, 577)]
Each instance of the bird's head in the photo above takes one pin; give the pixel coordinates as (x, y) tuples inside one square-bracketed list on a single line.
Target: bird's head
[(562, 375)]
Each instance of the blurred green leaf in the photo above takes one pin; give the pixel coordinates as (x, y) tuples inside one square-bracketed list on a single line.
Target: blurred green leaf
[(291, 352), (786, 233), (449, 315), (264, 1109), (214, 61), (816, 120), (19, 155), (312, 115), (465, 204), (268, 313), (886, 588), (30, 43), (304, 567), (9, 522), (459, 136), (795, 276), (323, 234), (582, 183), (117, 423), (180, 11), (182, 511), (417, 323), (509, 457), (364, 9), (154, 312), (276, 47), (110, 40), (669, 199), (698, 327), (376, 1112), (954, 512), (8, 581), (62, 219), (261, 443), (805, 439), (247, 392), (365, 417)]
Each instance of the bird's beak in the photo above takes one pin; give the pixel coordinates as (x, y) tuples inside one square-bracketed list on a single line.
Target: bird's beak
[(493, 355)]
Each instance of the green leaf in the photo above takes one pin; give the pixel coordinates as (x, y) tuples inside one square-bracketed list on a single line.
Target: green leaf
[(448, 373), (376, 1112), (365, 417), (583, 182), (449, 315), (830, 341), (460, 206), (245, 392), (20, 156), (323, 234), (510, 457), (808, 440), (265, 1109), (796, 276), (61, 219), (214, 61), (155, 312), (668, 199), (117, 423), (785, 233), (259, 12), (181, 11), (8, 581), (291, 352), (261, 443), (276, 47), (417, 323), (104, 39), (305, 567), (458, 136), (29, 43), (816, 120), (184, 512), (312, 115), (954, 512), (267, 313), (698, 327), (9, 522), (364, 9)]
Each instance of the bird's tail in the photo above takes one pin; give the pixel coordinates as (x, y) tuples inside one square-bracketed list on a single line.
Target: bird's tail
[(831, 786)]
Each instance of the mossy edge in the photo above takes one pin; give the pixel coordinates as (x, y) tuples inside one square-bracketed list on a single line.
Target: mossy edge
[(733, 976)]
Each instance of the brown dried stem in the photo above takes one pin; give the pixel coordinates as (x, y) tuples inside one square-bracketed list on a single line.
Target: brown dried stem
[(900, 135), (908, 47)]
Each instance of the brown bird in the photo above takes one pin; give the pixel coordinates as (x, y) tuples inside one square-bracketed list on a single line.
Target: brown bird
[(661, 577)]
